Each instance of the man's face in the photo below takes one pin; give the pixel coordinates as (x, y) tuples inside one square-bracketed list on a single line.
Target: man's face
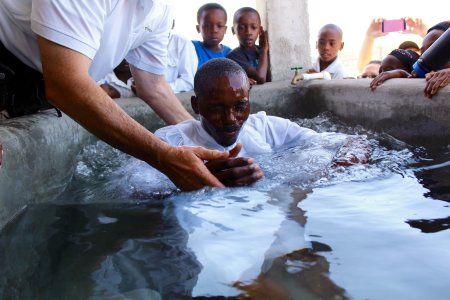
[(329, 44), (223, 105)]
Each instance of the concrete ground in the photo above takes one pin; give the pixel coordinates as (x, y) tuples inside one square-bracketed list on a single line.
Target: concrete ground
[(39, 151)]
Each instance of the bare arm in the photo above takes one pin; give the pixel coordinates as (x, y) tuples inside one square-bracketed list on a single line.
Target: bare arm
[(260, 72), (383, 76), (70, 88), (373, 32), (156, 92)]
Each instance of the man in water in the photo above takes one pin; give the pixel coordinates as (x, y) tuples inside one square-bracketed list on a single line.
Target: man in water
[(222, 101)]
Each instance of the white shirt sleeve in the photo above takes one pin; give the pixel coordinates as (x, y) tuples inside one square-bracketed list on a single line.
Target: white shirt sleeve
[(149, 52), (61, 22), (182, 64)]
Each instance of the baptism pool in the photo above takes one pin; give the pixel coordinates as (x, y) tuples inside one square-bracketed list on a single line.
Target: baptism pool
[(306, 231)]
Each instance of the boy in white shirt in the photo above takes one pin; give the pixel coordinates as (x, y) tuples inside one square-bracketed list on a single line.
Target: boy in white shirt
[(328, 44), (222, 101)]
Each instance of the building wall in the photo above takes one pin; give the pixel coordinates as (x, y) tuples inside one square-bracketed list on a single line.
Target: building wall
[(288, 25)]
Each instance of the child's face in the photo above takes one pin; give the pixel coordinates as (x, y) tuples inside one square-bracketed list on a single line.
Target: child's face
[(213, 25), (247, 29), (329, 44), (223, 105)]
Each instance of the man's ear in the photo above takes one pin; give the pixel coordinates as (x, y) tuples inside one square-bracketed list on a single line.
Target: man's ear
[(342, 46), (232, 30), (317, 45), (194, 104), (198, 28)]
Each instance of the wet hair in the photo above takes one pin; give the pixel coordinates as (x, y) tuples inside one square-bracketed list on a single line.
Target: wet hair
[(408, 45), (333, 27), (217, 67), (210, 6), (440, 26), (243, 10), (406, 57)]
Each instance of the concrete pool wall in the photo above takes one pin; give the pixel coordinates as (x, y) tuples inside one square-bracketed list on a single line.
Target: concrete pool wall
[(39, 151)]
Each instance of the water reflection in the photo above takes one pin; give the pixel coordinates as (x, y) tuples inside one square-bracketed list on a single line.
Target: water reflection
[(306, 231)]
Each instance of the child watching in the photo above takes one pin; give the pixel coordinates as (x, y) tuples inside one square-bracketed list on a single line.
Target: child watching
[(328, 44), (212, 25), (254, 59), (221, 99), (119, 83), (397, 64)]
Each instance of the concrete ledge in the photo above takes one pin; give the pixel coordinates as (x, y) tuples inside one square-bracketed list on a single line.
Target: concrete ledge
[(397, 107), (39, 151)]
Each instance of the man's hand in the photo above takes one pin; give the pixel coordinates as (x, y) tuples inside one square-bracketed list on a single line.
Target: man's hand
[(435, 81), (356, 150), (374, 29), (263, 40), (185, 166), (415, 26), (235, 171)]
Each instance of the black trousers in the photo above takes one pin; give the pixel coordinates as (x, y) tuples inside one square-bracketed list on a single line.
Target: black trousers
[(21, 87)]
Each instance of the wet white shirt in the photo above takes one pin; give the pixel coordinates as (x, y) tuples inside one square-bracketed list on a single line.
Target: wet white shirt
[(260, 134), (182, 63), (106, 31), (336, 69)]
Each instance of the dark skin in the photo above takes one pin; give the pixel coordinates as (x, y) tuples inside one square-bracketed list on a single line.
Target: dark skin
[(123, 73), (434, 80), (248, 29), (223, 105), (390, 67), (212, 27), (328, 44)]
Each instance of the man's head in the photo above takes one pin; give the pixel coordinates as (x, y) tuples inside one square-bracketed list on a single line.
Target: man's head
[(247, 26), (329, 43), (409, 45), (433, 34), (399, 59), (371, 70), (221, 99), (212, 25)]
